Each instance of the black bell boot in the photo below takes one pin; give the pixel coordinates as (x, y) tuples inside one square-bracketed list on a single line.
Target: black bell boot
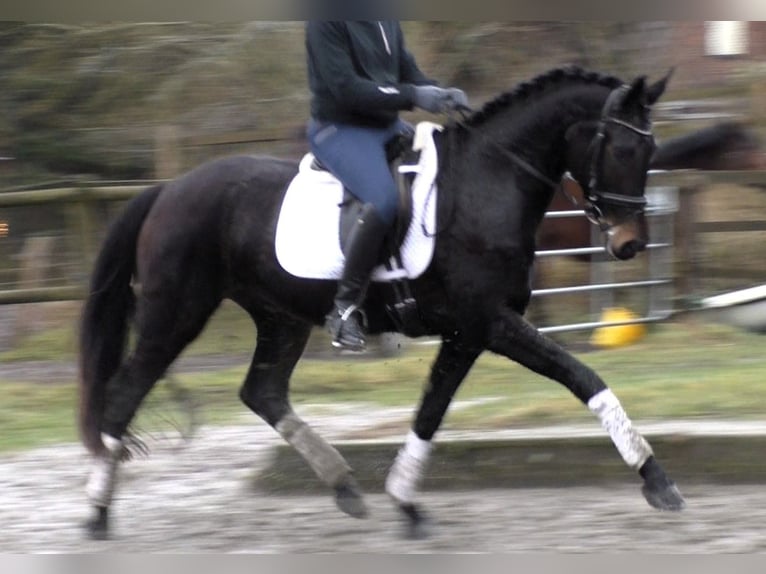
[(362, 250)]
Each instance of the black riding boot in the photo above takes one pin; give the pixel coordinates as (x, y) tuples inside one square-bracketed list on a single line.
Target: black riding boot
[(362, 250)]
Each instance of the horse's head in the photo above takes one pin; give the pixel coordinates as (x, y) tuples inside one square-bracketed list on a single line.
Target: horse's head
[(610, 158)]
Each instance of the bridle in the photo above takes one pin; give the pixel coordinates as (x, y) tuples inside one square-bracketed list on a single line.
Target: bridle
[(595, 197)]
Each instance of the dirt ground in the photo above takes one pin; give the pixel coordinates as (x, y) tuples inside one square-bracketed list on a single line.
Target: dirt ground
[(198, 498)]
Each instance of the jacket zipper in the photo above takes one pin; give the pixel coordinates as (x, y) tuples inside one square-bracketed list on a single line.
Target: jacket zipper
[(385, 39)]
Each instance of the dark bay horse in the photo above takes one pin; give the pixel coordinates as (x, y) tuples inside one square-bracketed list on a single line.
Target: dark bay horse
[(209, 235)]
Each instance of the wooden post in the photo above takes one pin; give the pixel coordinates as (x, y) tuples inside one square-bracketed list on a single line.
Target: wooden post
[(686, 241), (88, 241), (34, 261), (758, 98), (167, 152)]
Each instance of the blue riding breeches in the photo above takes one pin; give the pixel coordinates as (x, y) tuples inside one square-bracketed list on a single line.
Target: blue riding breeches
[(357, 157)]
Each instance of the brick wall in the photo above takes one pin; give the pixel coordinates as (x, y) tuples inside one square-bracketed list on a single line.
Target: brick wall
[(695, 68)]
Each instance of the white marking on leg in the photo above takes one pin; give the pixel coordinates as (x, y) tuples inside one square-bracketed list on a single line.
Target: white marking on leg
[(403, 478), (629, 442), (103, 477)]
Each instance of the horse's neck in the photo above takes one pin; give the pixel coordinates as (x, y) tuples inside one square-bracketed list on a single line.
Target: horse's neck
[(536, 130), (532, 132)]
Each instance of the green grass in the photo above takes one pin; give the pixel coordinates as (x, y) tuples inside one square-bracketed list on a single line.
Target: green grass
[(33, 415), (230, 331), (684, 370), (54, 344), (679, 371)]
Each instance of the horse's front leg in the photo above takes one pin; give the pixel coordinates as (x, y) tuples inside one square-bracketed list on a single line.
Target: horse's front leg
[(448, 371), (513, 337)]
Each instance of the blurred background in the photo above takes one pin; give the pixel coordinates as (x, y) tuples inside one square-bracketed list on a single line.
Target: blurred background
[(91, 114)]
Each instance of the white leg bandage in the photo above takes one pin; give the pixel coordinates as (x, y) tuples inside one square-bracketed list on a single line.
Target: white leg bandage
[(100, 487), (629, 442), (403, 478)]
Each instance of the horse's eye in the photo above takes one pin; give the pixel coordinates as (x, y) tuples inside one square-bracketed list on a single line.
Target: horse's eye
[(623, 153)]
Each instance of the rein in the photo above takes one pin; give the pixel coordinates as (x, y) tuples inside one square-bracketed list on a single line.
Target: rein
[(517, 159), (593, 195), (464, 112)]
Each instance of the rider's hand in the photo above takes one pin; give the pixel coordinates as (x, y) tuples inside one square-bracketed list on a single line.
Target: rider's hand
[(458, 98), (437, 100)]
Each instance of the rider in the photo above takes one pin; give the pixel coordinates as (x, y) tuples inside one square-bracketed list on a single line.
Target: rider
[(361, 76)]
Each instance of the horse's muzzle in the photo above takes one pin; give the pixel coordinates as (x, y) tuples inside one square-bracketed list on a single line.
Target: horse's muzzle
[(627, 250)]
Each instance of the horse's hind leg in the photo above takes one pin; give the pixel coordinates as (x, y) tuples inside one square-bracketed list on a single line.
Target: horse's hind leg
[(513, 337), (281, 341), (166, 325)]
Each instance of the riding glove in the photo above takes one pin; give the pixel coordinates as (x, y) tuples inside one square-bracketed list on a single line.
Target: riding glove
[(436, 100)]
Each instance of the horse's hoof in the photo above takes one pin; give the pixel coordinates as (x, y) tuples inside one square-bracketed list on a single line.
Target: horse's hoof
[(664, 497), (97, 528), (418, 526), (349, 499)]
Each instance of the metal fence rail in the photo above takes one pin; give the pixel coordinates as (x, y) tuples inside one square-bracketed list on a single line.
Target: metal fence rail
[(589, 250), (602, 287), (84, 226), (588, 326)]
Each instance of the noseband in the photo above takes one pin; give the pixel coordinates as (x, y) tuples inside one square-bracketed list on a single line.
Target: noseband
[(595, 196)]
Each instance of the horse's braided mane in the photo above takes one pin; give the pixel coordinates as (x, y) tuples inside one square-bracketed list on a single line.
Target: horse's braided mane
[(555, 77)]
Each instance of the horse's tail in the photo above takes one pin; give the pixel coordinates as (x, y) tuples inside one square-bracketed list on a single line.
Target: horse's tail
[(106, 314)]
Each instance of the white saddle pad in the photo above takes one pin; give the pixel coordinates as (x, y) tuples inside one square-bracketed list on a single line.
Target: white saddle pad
[(307, 237)]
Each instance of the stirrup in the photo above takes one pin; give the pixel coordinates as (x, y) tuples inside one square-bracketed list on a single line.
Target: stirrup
[(338, 322)]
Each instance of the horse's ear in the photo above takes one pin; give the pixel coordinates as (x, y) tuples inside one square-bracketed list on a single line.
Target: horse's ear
[(635, 93), (654, 91)]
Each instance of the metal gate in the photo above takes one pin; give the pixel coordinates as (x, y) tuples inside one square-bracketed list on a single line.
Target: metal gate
[(662, 205)]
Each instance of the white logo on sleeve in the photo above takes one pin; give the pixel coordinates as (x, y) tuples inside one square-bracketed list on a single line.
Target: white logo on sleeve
[(388, 90)]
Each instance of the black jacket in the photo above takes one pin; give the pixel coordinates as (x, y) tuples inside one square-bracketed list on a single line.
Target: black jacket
[(360, 72)]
